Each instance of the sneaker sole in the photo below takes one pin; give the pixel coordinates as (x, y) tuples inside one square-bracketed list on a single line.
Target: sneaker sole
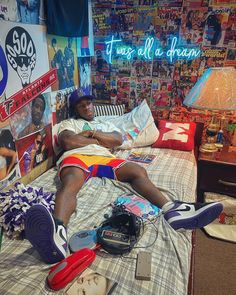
[(200, 220), (40, 231)]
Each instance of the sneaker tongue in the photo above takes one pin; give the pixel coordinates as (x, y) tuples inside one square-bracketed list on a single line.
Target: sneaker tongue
[(58, 221)]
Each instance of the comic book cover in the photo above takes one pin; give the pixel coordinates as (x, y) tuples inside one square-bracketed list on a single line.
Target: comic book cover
[(90, 282), (183, 87), (34, 149), (230, 57), (161, 93), (144, 20), (211, 57), (101, 21), (123, 90), (190, 69), (122, 20), (144, 88), (170, 3), (168, 20), (141, 68), (141, 157), (162, 69), (99, 62), (124, 68), (192, 24), (216, 24), (230, 31), (9, 168), (101, 88)]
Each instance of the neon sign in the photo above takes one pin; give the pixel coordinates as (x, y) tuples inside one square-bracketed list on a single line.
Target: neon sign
[(151, 50)]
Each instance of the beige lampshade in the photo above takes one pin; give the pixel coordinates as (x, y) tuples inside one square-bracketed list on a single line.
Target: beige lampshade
[(214, 90)]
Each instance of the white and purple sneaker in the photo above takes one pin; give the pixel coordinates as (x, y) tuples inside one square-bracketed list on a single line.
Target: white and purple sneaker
[(191, 215), (45, 235)]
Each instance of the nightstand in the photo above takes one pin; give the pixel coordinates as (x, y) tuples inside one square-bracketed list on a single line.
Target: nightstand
[(217, 173)]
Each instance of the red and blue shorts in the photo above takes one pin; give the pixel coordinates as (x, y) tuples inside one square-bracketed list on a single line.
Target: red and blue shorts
[(93, 166)]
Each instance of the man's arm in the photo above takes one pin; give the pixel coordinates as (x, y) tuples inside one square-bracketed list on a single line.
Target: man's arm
[(69, 140)]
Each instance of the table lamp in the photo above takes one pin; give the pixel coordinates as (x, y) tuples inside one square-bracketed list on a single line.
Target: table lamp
[(214, 90)]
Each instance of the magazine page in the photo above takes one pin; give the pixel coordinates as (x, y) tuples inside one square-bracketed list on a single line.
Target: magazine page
[(141, 157), (90, 283)]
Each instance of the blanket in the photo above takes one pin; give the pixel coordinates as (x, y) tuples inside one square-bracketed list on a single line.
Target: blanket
[(174, 172)]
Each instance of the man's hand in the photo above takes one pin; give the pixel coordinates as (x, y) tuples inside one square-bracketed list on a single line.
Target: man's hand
[(86, 133)]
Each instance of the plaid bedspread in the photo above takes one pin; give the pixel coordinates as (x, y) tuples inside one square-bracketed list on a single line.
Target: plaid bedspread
[(174, 172)]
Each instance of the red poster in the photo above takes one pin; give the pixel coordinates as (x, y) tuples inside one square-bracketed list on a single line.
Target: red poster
[(26, 95)]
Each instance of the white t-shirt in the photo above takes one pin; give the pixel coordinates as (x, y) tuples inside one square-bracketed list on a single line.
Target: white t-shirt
[(79, 125), (3, 162)]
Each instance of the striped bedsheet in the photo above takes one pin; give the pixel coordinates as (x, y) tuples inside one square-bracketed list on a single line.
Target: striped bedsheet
[(175, 173)]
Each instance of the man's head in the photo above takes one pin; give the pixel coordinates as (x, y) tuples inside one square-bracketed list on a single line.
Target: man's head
[(37, 110), (82, 106)]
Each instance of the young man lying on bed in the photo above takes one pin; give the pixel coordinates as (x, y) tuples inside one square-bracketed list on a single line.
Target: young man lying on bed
[(87, 154)]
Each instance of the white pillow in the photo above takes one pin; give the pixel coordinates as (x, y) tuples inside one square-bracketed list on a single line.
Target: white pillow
[(137, 127)]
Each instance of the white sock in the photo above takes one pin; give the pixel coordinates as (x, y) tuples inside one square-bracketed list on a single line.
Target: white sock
[(167, 206)]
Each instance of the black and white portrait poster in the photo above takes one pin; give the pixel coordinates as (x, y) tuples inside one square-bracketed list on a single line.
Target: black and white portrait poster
[(25, 49)]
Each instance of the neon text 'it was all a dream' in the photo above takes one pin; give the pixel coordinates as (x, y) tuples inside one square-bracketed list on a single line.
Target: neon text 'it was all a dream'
[(151, 49)]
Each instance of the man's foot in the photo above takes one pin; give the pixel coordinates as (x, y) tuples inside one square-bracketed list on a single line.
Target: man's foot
[(46, 236), (191, 215)]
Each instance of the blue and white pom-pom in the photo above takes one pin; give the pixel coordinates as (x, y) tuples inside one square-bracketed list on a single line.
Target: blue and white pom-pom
[(14, 204)]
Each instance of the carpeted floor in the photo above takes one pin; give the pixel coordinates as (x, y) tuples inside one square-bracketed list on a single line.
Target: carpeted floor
[(215, 266)]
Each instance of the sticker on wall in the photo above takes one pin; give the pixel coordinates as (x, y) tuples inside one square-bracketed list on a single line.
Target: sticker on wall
[(25, 48)]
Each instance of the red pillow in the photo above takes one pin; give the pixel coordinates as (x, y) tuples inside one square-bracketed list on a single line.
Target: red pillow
[(175, 135)]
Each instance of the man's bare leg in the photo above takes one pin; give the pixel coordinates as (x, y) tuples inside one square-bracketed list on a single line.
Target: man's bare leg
[(137, 176), (46, 233), (72, 179), (178, 214)]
